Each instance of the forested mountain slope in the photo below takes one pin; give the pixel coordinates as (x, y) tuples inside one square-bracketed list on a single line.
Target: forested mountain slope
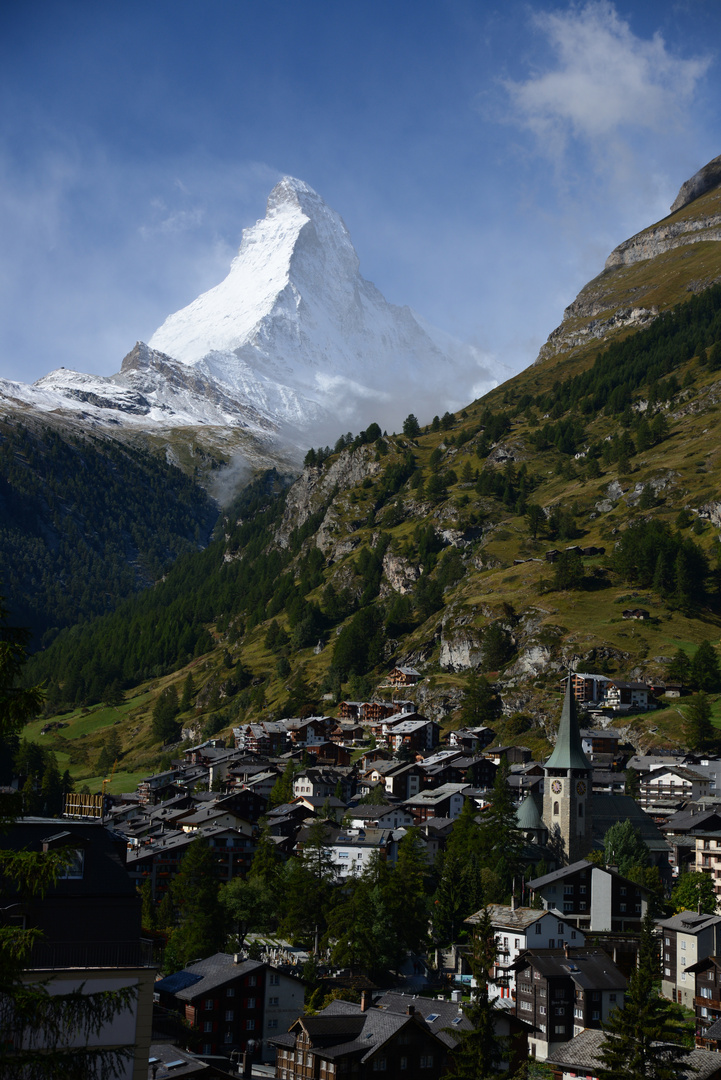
[(85, 522)]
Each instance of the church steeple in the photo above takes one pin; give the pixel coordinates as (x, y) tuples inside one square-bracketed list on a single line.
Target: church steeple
[(568, 751), (567, 787)]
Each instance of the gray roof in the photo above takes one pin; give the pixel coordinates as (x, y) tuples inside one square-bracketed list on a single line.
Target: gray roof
[(214, 971), (689, 922), (608, 809), (582, 1055), (568, 751), (589, 969)]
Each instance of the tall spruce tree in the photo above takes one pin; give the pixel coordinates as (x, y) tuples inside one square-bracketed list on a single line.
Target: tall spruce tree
[(643, 1040), (480, 1050)]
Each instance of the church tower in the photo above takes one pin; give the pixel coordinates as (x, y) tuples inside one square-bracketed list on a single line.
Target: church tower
[(567, 788)]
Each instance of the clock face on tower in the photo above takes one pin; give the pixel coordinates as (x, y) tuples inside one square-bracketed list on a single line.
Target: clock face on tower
[(556, 787), (581, 787)]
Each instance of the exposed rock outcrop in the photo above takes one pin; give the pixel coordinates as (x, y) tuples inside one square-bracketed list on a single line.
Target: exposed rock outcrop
[(706, 178), (315, 487)]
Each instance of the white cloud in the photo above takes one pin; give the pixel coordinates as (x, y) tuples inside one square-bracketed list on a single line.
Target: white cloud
[(604, 80)]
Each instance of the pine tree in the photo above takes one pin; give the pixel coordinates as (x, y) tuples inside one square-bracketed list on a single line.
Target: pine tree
[(201, 922), (480, 1050), (698, 731), (186, 700), (643, 1040), (705, 672)]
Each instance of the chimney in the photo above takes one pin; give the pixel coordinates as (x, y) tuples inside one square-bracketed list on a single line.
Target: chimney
[(411, 1010), (365, 1000)]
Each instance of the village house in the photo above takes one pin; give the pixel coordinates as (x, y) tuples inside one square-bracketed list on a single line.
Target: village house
[(233, 1004), (708, 857), (562, 991), (403, 676), (363, 1042), (670, 787), (521, 929), (623, 696), (705, 975), (350, 851), (446, 802), (471, 740), (587, 688), (593, 898), (688, 937)]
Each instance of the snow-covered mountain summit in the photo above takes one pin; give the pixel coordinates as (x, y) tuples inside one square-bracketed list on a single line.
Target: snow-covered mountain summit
[(294, 340)]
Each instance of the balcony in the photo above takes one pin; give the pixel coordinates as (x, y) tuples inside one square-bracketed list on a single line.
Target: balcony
[(709, 1003), (54, 956)]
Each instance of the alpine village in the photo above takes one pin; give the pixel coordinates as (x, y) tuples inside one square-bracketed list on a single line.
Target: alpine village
[(405, 762)]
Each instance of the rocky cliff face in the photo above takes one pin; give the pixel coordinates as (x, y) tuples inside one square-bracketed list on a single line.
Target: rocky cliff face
[(625, 296)]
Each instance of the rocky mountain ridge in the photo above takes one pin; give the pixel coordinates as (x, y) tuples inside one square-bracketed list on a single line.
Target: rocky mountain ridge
[(637, 282)]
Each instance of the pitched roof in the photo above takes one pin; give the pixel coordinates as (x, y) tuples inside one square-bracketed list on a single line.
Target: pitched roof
[(589, 969), (568, 751), (204, 975), (581, 1054)]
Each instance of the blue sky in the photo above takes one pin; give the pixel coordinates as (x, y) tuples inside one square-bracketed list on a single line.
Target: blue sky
[(486, 157)]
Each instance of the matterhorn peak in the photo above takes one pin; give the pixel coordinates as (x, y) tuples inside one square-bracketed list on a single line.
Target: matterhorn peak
[(294, 341)]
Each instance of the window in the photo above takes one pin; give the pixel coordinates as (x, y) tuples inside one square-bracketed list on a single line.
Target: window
[(274, 978), (611, 997), (229, 1014), (667, 956), (683, 944), (208, 1025), (568, 890), (273, 1001), (74, 867), (560, 1010), (230, 992), (526, 1005), (403, 1064), (580, 809), (379, 1065), (578, 1013), (560, 928), (228, 1037), (251, 1003), (555, 809), (667, 971), (667, 941), (623, 890), (683, 976), (516, 943), (623, 907), (542, 1010), (250, 1025), (207, 1049), (426, 1061), (582, 889), (595, 1015), (251, 980), (568, 905), (573, 932), (272, 1024), (559, 1029), (552, 943), (538, 928), (208, 1003)]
